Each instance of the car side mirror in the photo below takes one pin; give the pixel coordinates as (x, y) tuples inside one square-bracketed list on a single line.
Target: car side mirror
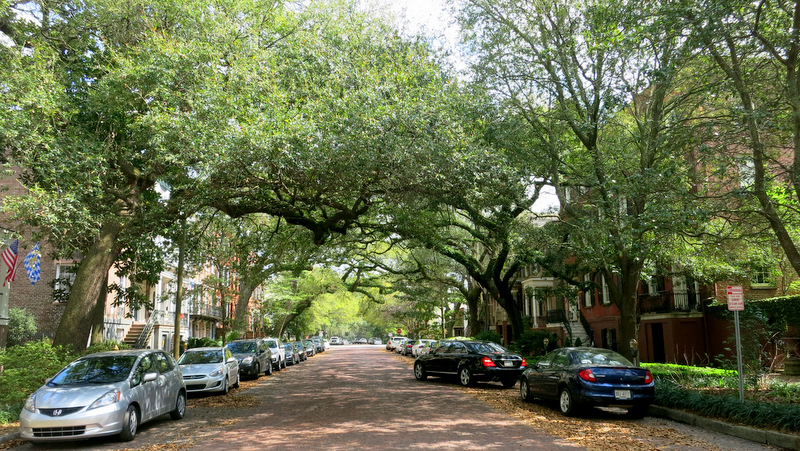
[(149, 377), (232, 360)]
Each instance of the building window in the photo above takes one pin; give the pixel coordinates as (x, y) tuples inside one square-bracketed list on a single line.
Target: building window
[(588, 300), (604, 299), (762, 278), (65, 277)]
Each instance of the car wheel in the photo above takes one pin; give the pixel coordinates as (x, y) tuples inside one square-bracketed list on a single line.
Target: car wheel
[(566, 402), (238, 380), (284, 362), (130, 424), (525, 390), (269, 370), (225, 388), (419, 371), (180, 407), (508, 383), (465, 376), (258, 370)]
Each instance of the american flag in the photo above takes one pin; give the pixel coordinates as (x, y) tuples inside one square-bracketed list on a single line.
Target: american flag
[(9, 257)]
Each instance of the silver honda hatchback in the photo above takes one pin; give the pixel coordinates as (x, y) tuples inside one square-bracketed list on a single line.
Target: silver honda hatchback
[(104, 394)]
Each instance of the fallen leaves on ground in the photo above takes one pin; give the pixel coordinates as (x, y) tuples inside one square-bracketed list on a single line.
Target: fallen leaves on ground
[(601, 431)]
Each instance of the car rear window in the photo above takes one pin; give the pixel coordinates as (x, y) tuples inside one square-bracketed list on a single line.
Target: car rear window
[(200, 357), (241, 347), (488, 348)]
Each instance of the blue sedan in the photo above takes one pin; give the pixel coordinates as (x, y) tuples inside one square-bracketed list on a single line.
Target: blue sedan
[(578, 377)]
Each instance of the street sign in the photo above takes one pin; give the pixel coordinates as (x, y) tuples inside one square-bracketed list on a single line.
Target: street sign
[(736, 305), (735, 298)]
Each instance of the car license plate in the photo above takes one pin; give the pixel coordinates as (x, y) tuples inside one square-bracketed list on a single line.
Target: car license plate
[(507, 363), (622, 394)]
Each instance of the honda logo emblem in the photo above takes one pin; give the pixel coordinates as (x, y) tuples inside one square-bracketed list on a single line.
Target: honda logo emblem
[(57, 412)]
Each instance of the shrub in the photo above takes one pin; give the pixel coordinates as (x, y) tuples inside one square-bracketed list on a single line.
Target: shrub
[(531, 342), (489, 335), (26, 367), (21, 327), (782, 416), (110, 345), (693, 376), (578, 342), (201, 342)]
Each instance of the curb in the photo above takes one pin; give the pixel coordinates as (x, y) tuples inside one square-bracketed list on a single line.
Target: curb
[(773, 438), (8, 437)]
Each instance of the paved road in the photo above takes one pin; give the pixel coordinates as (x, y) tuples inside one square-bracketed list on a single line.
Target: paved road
[(365, 398)]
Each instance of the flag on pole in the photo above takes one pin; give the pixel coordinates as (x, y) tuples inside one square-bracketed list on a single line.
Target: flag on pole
[(9, 257), (33, 263)]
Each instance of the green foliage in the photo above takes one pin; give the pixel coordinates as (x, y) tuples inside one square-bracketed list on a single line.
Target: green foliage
[(578, 342), (21, 326), (780, 415), (531, 342), (110, 345), (26, 367), (233, 335), (760, 322), (692, 376), (489, 335), (202, 342)]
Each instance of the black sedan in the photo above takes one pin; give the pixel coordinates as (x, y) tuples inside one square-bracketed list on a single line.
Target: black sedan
[(471, 361), (578, 377)]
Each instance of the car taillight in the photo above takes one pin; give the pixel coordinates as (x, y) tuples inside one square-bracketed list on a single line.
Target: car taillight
[(648, 377), (587, 375), (524, 363), (486, 361)]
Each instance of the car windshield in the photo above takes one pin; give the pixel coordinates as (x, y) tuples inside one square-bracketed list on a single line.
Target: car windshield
[(242, 347), (603, 357), (200, 357), (271, 343), (488, 348), (95, 370)]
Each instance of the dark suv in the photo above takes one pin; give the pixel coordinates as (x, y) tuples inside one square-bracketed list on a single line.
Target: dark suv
[(253, 355)]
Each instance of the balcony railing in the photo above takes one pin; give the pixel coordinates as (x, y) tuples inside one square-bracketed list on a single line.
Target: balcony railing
[(667, 301), (205, 310)]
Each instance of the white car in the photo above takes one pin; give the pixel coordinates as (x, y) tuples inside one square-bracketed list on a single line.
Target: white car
[(209, 369), (278, 352), (421, 347), (393, 342), (105, 393), (336, 341)]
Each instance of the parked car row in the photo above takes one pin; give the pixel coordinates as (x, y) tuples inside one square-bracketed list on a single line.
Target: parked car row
[(576, 378), (114, 392)]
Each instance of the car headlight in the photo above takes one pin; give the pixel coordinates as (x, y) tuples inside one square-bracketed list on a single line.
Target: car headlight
[(217, 372), (30, 403), (107, 399), (247, 360)]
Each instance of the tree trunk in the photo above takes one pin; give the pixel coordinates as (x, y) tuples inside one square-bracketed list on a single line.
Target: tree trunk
[(242, 304), (98, 318), (475, 323), (76, 322)]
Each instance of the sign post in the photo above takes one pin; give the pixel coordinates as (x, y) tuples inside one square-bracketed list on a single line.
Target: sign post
[(736, 305)]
